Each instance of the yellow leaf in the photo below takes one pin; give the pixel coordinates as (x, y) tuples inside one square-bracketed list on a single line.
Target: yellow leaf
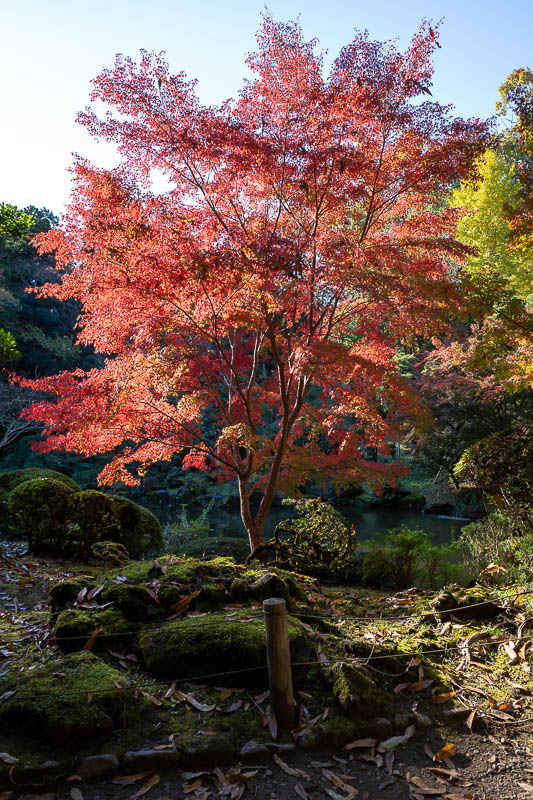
[(445, 752), (147, 786)]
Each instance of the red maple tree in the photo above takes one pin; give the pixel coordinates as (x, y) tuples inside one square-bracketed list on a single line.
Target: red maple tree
[(250, 315)]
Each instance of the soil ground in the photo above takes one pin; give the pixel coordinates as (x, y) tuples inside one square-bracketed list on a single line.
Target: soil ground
[(488, 717)]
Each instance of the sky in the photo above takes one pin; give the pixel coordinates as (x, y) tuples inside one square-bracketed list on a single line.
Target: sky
[(51, 49)]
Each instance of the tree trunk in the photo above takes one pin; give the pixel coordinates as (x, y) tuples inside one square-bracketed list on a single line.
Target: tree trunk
[(254, 530)]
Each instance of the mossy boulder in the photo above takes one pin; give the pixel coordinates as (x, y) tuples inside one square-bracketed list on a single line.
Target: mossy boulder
[(64, 594), (194, 647), (74, 627), (472, 603), (356, 691), (135, 603), (53, 702)]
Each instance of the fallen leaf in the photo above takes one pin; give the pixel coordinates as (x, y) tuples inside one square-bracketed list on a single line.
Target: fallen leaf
[(361, 743), (419, 686), (233, 707), (194, 703), (7, 759), (448, 774), (127, 780), (76, 793), (300, 791), (442, 698), (296, 773), (272, 722), (445, 752), (92, 594), (389, 761), (147, 786), (396, 741), (421, 788), (91, 640), (470, 719)]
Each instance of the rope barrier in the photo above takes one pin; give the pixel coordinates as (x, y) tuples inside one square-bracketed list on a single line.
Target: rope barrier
[(209, 676), (298, 615)]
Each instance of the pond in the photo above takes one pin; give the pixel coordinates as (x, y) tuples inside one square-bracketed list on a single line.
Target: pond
[(369, 521)]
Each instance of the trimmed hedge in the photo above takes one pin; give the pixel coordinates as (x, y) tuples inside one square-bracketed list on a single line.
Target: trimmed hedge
[(140, 530), (13, 478), (40, 510), (96, 518)]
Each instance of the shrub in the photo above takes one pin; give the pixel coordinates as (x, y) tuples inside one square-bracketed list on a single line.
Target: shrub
[(407, 557), (139, 530), (96, 517), (112, 553), (500, 548), (184, 532), (41, 510), (10, 480), (320, 542)]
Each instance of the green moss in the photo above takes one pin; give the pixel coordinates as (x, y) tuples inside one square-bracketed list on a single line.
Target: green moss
[(97, 518), (54, 703), (74, 627), (136, 572), (357, 691), (140, 530)]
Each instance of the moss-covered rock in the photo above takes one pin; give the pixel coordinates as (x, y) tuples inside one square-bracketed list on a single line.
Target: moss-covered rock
[(53, 702), (75, 626), (195, 647), (64, 594), (212, 546), (134, 602), (357, 691), (475, 602)]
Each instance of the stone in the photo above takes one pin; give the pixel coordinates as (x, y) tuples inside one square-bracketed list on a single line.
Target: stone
[(402, 721), (38, 775), (423, 721), (182, 650), (269, 585), (212, 752), (440, 509), (254, 752), (148, 760), (380, 728), (97, 766)]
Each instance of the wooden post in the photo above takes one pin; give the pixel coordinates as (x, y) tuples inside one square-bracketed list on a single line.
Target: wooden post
[(279, 662)]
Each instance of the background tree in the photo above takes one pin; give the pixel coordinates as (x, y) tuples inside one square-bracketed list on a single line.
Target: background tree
[(300, 242)]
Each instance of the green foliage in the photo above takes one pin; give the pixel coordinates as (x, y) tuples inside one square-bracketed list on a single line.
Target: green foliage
[(501, 465), (14, 222), (8, 346), (502, 544), (140, 530), (179, 535), (407, 558), (96, 518), (498, 261), (40, 510)]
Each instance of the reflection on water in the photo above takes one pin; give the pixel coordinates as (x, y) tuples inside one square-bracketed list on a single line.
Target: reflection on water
[(369, 521)]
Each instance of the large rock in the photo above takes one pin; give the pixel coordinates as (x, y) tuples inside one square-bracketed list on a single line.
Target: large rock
[(64, 701), (214, 643), (356, 690)]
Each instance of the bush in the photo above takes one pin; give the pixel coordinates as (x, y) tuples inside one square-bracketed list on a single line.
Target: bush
[(499, 547), (112, 553), (183, 533), (96, 518), (10, 480), (41, 511), (139, 530), (406, 558), (319, 543)]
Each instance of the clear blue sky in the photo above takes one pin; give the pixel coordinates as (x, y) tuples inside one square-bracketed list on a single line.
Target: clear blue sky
[(51, 49)]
